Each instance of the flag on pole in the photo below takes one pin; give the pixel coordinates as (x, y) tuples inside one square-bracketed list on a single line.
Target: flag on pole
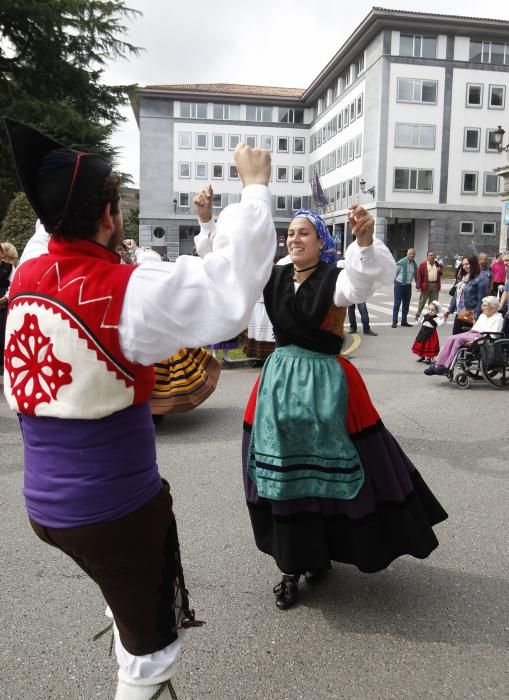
[(318, 194)]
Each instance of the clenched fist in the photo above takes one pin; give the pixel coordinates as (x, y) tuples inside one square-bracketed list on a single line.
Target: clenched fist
[(363, 225), (203, 204), (253, 164)]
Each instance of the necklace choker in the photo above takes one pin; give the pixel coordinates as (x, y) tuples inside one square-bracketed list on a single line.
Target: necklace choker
[(305, 269)]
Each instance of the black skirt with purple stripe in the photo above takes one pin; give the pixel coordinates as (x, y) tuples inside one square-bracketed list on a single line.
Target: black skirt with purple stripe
[(393, 514)]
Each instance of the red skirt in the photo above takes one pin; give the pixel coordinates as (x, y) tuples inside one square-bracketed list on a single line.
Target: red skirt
[(427, 348)]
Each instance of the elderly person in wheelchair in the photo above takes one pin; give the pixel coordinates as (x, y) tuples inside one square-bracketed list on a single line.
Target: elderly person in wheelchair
[(490, 321)]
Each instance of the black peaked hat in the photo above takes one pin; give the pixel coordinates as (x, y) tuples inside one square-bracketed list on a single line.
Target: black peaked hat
[(55, 179)]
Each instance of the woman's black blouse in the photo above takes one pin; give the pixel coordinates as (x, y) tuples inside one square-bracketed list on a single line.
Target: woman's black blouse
[(296, 315)]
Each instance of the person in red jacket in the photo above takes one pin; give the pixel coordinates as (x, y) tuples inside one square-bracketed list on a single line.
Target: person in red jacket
[(429, 274)]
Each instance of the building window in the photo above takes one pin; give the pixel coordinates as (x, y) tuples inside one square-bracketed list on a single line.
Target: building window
[(282, 144), (496, 98), (413, 180), (491, 144), (344, 156), (184, 169), (359, 63), (412, 90), (183, 199), (193, 110), (217, 200), (489, 52), (250, 141), (233, 141), (358, 145), (258, 114), (472, 139), (467, 228), (226, 112), (346, 79), (281, 174), (280, 203), (292, 115), (298, 144), (352, 112), (474, 95), (340, 121), (298, 174), (415, 136), (201, 171), (338, 157), (469, 182), (218, 142), (296, 203), (418, 46), (185, 139), (489, 228), (233, 173), (201, 141), (346, 117), (491, 185), (360, 105), (351, 149), (217, 171), (266, 142)]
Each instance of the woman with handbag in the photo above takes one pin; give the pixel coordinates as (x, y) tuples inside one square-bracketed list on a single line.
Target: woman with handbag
[(470, 289)]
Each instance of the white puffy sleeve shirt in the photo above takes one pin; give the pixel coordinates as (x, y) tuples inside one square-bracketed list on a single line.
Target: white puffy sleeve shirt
[(194, 301), (364, 269)]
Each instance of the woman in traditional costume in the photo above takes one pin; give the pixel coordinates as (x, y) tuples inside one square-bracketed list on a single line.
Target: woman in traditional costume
[(324, 479)]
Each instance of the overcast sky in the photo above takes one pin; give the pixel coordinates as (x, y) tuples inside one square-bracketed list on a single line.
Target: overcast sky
[(266, 42)]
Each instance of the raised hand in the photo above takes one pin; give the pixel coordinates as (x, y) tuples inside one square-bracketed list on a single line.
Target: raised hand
[(203, 204), (362, 223), (253, 164)]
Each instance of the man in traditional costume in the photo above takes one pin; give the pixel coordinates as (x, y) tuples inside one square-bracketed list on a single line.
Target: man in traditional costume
[(82, 334)]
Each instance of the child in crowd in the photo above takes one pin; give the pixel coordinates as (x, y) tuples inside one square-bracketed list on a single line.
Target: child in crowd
[(426, 344)]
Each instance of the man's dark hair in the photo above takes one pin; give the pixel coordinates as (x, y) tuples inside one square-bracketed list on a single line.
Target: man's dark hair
[(430, 251), (83, 222)]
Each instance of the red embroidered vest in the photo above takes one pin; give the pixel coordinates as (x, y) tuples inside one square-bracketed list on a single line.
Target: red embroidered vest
[(62, 350)]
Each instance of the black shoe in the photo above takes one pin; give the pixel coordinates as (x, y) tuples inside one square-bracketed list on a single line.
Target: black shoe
[(287, 591), (316, 575), (406, 325), (352, 330), (395, 325), (421, 359), (370, 332), (433, 369), (427, 361)]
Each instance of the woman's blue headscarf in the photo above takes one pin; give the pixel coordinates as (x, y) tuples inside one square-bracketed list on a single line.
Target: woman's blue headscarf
[(328, 253)]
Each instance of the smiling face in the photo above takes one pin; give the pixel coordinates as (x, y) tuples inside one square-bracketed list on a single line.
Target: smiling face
[(303, 243), (465, 265), (488, 310)]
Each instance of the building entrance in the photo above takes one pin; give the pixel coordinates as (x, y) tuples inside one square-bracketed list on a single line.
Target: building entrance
[(400, 237)]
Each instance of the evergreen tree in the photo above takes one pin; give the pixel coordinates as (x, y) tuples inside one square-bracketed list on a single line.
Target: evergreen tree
[(132, 224), (19, 222), (52, 57)]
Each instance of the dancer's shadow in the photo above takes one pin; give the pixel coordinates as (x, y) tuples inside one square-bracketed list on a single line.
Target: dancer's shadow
[(415, 601)]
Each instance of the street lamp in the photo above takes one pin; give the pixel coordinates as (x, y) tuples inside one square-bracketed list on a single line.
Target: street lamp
[(174, 206), (366, 190), (498, 137)]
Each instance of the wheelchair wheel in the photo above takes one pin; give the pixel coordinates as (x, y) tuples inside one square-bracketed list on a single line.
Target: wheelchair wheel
[(462, 380), (499, 378)]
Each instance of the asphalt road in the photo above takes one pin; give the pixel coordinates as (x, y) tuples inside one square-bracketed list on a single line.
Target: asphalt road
[(437, 628)]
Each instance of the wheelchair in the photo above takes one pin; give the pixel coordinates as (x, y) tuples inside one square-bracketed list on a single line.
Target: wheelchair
[(484, 359)]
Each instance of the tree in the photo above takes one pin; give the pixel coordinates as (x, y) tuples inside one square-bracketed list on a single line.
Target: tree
[(132, 224), (19, 222), (52, 57)]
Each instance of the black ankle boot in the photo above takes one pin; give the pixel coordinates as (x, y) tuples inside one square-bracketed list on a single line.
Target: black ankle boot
[(316, 575), (287, 591)]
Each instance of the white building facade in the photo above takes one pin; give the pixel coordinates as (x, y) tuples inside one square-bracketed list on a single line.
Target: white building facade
[(401, 119)]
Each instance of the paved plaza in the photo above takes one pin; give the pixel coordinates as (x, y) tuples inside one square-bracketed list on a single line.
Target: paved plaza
[(437, 628)]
